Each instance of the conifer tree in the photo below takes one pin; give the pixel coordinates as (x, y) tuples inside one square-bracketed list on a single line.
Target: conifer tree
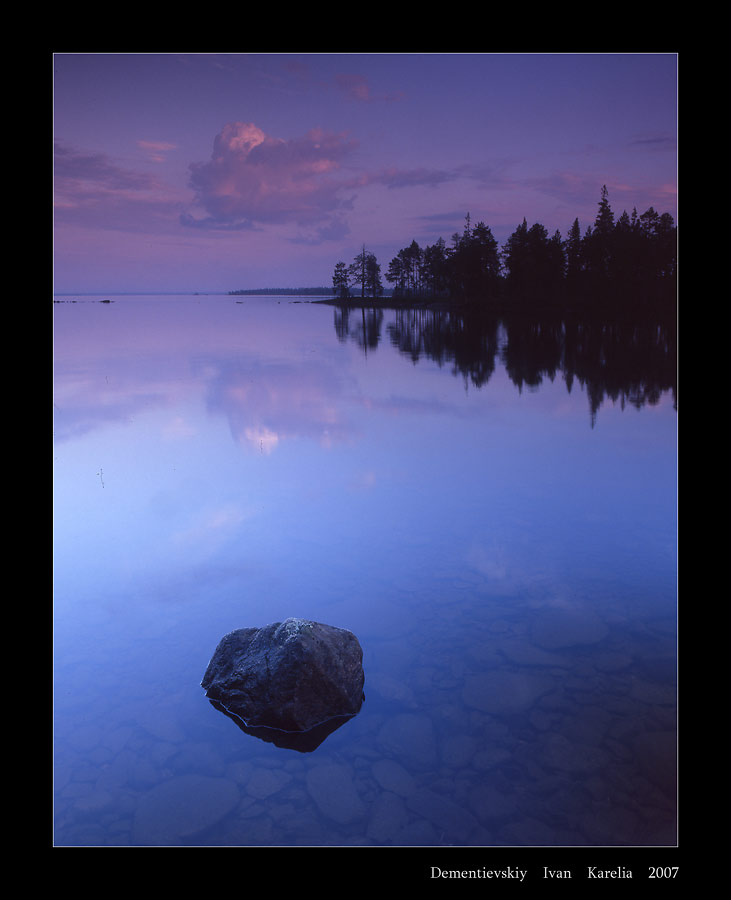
[(358, 271), (340, 281), (373, 284), (573, 252)]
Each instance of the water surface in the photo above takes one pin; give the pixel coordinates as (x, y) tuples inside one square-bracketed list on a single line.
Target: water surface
[(491, 510)]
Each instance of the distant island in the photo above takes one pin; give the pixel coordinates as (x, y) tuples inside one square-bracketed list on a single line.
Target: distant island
[(287, 292)]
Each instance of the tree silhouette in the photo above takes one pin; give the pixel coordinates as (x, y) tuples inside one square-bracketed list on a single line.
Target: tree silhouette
[(626, 267), (364, 271), (340, 281)]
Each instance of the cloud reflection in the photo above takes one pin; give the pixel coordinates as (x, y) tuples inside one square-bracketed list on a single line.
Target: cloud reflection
[(211, 527), (268, 402)]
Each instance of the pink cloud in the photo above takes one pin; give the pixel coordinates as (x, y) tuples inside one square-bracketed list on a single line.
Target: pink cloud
[(289, 402), (156, 149), (92, 189), (73, 169), (253, 178), (356, 87)]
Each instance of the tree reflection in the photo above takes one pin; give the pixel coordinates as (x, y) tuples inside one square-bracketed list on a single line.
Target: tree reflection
[(624, 361), (361, 325), (469, 344)]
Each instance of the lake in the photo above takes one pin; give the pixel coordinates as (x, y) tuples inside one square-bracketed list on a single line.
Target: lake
[(490, 507)]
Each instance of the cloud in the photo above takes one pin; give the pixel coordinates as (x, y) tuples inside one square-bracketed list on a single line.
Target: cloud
[(178, 428), (73, 170), (363, 481), (655, 142), (262, 438), (585, 190), (93, 190), (255, 179), (356, 87), (270, 403), (334, 229), (156, 150), (211, 527), (567, 186), (486, 176), (404, 178)]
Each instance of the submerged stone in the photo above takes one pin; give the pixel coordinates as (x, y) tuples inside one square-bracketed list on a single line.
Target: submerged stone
[(290, 676), (332, 788), (504, 692), (176, 810), (556, 629)]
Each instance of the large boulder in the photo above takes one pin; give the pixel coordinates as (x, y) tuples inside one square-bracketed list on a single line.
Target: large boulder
[(291, 675)]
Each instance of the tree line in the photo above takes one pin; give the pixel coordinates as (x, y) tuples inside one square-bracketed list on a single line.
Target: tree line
[(282, 292), (627, 264)]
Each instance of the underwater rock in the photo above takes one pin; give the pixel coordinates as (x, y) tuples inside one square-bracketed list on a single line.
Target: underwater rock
[(175, 810), (556, 629), (334, 791), (504, 693), (291, 675)]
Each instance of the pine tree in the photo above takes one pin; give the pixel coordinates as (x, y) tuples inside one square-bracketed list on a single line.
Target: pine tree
[(358, 269), (340, 281), (373, 276), (516, 260), (604, 223), (396, 275), (435, 267), (599, 246), (573, 253)]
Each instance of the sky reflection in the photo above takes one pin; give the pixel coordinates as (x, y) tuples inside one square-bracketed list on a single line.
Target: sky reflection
[(237, 436)]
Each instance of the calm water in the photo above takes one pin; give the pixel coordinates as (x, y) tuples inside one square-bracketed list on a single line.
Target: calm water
[(504, 548)]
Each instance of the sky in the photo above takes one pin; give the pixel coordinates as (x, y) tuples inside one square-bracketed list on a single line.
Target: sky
[(216, 172)]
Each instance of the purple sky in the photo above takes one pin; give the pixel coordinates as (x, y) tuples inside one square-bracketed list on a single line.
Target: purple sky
[(212, 172)]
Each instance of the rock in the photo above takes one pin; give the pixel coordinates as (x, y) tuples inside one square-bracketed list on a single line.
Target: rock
[(453, 820), (457, 750), (491, 758), (92, 805), (332, 788), (265, 782), (302, 741), (657, 755), (410, 738), (290, 675), (557, 629), (419, 833), (202, 758), (178, 809), (162, 724), (491, 805), (388, 817), (653, 693), (524, 654), (504, 692), (531, 832), (393, 778), (560, 753), (392, 689)]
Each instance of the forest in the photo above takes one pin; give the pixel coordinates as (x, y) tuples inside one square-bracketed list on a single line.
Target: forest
[(626, 265)]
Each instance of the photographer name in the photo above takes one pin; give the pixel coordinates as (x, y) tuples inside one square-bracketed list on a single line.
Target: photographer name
[(511, 872)]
